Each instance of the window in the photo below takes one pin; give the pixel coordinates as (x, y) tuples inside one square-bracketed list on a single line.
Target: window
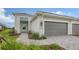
[(23, 18)]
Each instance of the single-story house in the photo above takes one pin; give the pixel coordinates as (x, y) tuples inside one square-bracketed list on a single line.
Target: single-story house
[(46, 23)]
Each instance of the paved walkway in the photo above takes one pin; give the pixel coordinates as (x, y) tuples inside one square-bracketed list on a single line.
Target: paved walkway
[(68, 42)]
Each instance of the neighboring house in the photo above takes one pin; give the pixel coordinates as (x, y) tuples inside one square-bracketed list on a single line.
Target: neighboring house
[(46, 23), (1, 27)]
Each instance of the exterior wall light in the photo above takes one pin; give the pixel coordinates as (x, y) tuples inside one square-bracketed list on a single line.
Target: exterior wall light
[(41, 23)]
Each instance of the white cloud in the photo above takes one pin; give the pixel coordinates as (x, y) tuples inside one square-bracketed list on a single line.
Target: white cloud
[(60, 12), (63, 13), (5, 19), (2, 11)]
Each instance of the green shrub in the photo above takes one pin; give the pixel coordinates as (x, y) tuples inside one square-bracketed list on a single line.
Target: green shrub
[(51, 47), (35, 35), (43, 37), (55, 46)]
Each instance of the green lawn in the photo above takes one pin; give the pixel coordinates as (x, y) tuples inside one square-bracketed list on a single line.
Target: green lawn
[(6, 35), (13, 45)]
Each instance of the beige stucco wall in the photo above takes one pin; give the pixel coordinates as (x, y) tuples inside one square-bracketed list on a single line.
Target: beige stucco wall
[(35, 25), (75, 22), (17, 24)]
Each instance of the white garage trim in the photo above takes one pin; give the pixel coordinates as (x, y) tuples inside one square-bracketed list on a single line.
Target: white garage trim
[(56, 20), (69, 28)]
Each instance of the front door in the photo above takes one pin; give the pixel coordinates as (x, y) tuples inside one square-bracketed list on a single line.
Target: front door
[(24, 26)]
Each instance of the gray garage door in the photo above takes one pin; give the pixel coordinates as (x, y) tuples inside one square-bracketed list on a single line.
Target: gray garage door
[(75, 28), (55, 28)]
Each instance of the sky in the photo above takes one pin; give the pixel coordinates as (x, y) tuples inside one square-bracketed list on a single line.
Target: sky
[(7, 19)]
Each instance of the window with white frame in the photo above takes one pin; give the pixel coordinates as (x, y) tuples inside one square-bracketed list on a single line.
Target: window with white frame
[(24, 18)]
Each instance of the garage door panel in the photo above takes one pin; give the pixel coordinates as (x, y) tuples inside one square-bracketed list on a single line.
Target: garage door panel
[(55, 28), (75, 28)]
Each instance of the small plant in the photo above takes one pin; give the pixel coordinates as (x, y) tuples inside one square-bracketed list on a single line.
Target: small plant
[(33, 36), (36, 36), (43, 37)]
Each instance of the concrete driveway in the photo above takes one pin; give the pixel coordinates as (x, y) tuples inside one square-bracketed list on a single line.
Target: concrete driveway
[(67, 42)]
